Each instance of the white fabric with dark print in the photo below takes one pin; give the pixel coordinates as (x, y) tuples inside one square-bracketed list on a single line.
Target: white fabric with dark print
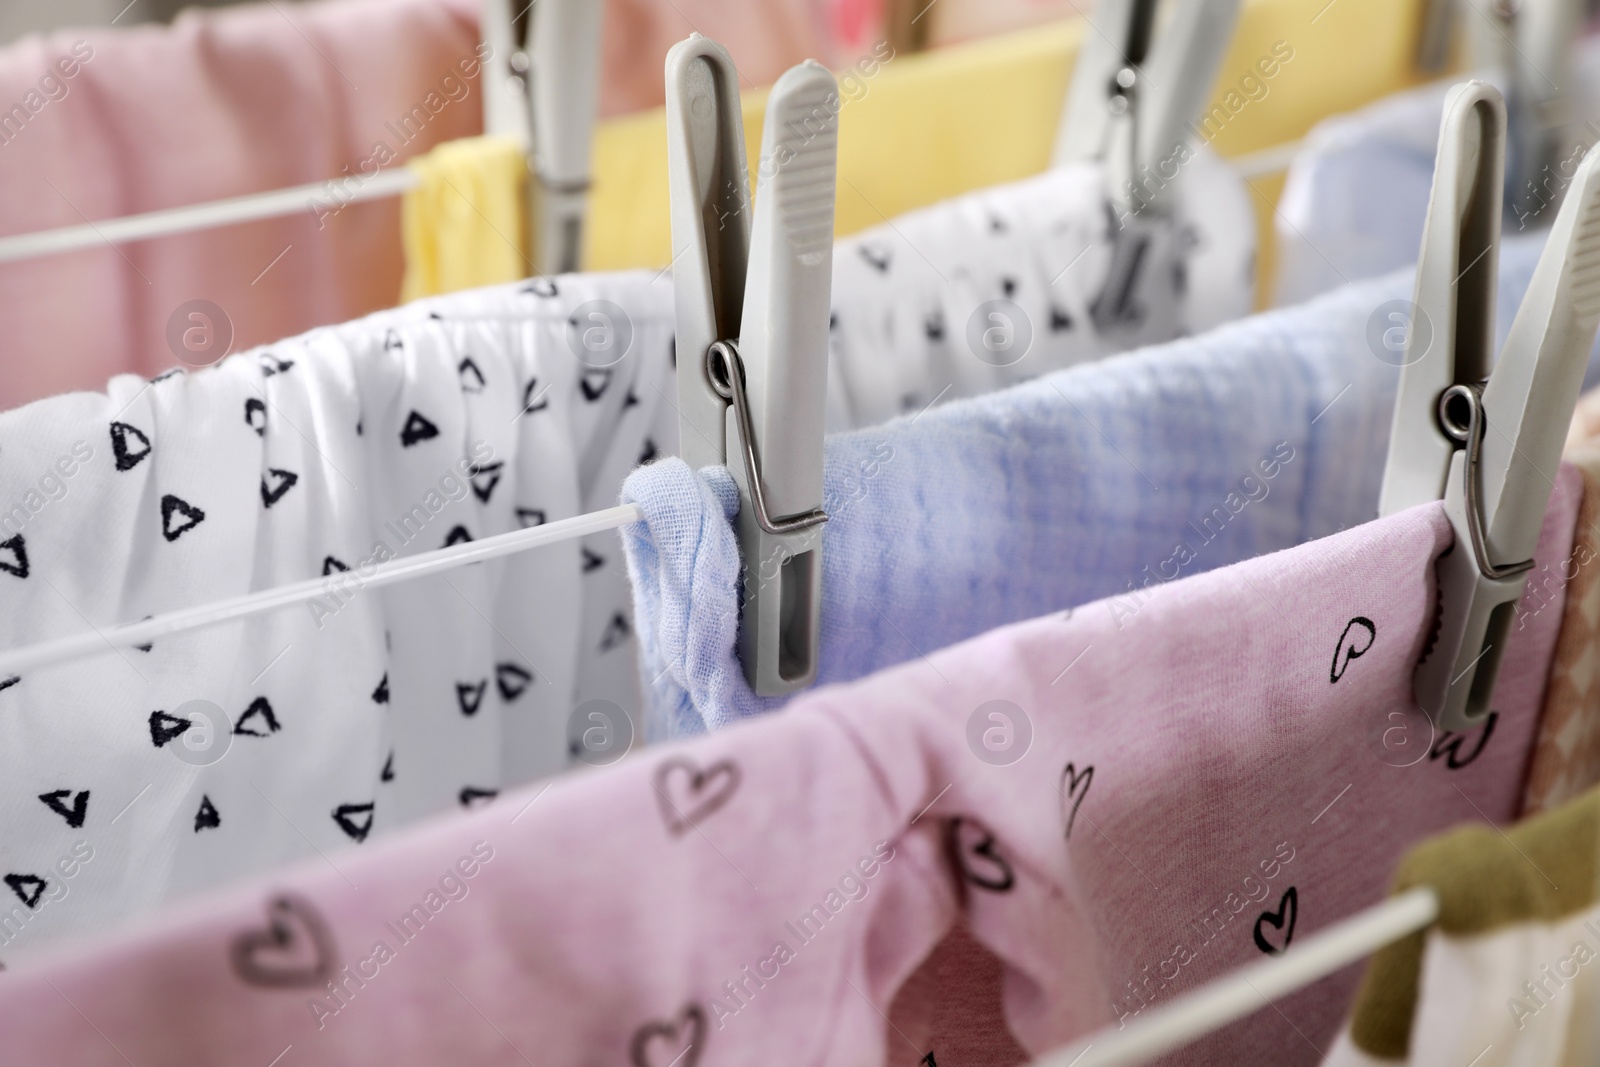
[(1013, 282), (237, 748)]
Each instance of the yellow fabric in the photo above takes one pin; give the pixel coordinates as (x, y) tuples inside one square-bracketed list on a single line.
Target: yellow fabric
[(465, 225), (923, 128)]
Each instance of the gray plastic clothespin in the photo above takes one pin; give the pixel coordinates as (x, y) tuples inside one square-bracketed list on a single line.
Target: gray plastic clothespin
[(1506, 434), (1135, 92), (752, 292)]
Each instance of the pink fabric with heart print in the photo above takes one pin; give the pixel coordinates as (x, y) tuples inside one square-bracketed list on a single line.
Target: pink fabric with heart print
[(1181, 784)]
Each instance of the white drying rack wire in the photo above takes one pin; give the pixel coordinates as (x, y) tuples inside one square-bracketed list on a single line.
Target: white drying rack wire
[(77, 646), (1249, 989), (238, 209)]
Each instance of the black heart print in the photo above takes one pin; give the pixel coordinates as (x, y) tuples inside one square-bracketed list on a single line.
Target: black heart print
[(348, 816), (260, 719), (1282, 919), (206, 817), (295, 949), (281, 482), (164, 727), (974, 851), (417, 428), (671, 1043), (175, 507), (128, 455), (18, 564), (1074, 787), (1352, 645), (686, 794), (1449, 745), (56, 802), (28, 888)]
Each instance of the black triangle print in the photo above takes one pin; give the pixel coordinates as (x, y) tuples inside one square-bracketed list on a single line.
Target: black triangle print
[(387, 774), (282, 482), (146, 648), (630, 401), (477, 798), (359, 424), (533, 398), (271, 365), (7, 683), (650, 453), (17, 547), (255, 415), (164, 727), (471, 377), (262, 720), (380, 695), (458, 536), (512, 680), (74, 815), (484, 479), (28, 888), (331, 564), (417, 428), (189, 517), (878, 257), (617, 631), (933, 326), (391, 342), (470, 696), (206, 818), (128, 457), (672, 351), (435, 316), (530, 517), (542, 287), (833, 324), (591, 561), (997, 224), (1008, 286), (164, 375), (1059, 320), (348, 816), (594, 382)]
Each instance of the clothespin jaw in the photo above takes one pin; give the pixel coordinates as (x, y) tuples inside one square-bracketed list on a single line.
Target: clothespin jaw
[(1449, 331), (755, 400), (1512, 432), (565, 95)]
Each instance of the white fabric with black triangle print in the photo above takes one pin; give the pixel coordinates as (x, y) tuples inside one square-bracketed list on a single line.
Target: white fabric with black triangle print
[(1012, 282), (235, 749)]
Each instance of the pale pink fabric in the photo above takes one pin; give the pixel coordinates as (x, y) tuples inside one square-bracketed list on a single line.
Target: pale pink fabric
[(627, 914), (220, 104)]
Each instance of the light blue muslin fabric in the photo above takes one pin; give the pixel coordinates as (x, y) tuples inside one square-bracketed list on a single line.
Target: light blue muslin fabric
[(1084, 484)]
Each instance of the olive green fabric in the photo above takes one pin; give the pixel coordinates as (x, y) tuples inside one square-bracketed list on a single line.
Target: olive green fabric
[(1540, 870)]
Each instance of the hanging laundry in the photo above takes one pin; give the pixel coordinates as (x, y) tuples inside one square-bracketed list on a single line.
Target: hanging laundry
[(1013, 282), (466, 225), (1102, 482), (1566, 757), (1106, 852), (213, 754), (1356, 194), (220, 104), (1508, 975)]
